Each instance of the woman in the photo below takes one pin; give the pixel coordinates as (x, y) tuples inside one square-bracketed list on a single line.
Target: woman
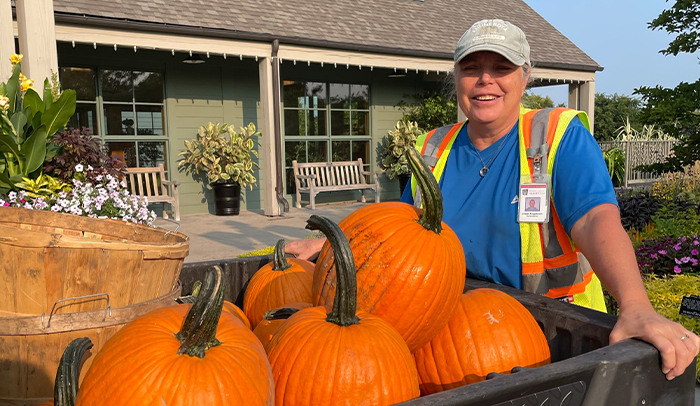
[(489, 171)]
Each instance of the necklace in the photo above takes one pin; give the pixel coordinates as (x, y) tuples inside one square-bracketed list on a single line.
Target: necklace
[(485, 169)]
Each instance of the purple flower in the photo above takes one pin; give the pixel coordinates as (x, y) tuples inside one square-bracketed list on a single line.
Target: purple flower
[(693, 261), (677, 269), (685, 259), (695, 252), (654, 255), (662, 252), (696, 242), (677, 247)]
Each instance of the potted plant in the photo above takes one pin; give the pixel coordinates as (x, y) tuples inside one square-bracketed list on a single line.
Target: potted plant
[(226, 158), (394, 144)]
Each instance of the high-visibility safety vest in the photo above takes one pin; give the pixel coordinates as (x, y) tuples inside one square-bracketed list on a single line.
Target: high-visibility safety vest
[(551, 264)]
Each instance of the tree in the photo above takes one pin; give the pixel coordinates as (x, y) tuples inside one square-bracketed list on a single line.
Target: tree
[(535, 101), (612, 112), (677, 110), (682, 19), (430, 110)]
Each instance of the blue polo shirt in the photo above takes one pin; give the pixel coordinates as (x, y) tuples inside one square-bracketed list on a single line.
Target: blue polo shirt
[(483, 212)]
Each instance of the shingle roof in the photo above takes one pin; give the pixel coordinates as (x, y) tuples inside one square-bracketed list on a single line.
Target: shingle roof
[(411, 27)]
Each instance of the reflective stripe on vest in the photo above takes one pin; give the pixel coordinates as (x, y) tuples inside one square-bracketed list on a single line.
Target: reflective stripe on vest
[(551, 264)]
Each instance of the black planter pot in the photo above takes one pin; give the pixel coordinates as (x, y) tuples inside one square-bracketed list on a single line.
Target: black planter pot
[(227, 198), (403, 181)]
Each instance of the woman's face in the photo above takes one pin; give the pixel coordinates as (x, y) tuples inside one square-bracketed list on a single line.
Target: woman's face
[(489, 89)]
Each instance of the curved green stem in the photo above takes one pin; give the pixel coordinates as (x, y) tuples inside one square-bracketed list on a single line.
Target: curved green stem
[(280, 262), (65, 390), (345, 301), (431, 218), (198, 332)]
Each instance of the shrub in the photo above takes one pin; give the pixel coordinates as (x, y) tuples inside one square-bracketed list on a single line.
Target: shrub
[(680, 185), (676, 218), (394, 145), (76, 147), (637, 206)]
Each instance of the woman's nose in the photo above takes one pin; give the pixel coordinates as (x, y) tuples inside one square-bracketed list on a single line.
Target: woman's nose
[(485, 76)]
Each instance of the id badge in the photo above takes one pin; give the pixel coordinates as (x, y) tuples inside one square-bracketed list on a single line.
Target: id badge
[(533, 203)]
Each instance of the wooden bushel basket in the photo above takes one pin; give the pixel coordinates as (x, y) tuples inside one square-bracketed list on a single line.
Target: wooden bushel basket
[(31, 345), (46, 257)]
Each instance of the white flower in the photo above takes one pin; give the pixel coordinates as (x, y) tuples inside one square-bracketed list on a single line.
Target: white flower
[(79, 167)]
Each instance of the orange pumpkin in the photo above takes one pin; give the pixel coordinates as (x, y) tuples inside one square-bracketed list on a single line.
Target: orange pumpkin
[(489, 331), (273, 319), (181, 355), (284, 280), (346, 357), (236, 311), (410, 267)]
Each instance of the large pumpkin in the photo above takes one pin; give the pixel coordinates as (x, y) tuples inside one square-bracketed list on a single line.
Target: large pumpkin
[(410, 266), (489, 331), (181, 355), (345, 357), (283, 280)]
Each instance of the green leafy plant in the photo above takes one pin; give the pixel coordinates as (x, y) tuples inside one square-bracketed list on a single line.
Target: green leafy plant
[(676, 218), (615, 160), (394, 145), (44, 186), (223, 154), (26, 125)]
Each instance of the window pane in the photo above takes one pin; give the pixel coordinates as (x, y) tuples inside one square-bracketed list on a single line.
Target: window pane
[(360, 123), (82, 80), (294, 122), (294, 150), (148, 87), (360, 96), (317, 122), (318, 151), (152, 154), (341, 151), (340, 96), (316, 92), (85, 116), (116, 85), (126, 151), (119, 119), (360, 149), (293, 93), (340, 123), (149, 120)]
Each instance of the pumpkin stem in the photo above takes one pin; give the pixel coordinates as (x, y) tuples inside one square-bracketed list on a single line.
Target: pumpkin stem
[(279, 314), (65, 390), (191, 298), (345, 302), (198, 332), (280, 262), (431, 218)]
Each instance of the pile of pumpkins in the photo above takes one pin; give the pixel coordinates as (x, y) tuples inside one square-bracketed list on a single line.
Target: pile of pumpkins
[(380, 318)]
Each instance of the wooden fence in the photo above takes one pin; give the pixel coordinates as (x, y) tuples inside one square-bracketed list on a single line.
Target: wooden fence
[(640, 153)]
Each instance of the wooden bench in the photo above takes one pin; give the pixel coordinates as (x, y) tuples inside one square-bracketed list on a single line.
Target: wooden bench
[(151, 183), (316, 177)]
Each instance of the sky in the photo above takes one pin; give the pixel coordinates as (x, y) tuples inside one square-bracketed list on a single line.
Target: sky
[(616, 35)]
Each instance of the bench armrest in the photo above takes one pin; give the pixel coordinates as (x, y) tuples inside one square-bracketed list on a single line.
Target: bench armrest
[(301, 177), (175, 183), (374, 174)]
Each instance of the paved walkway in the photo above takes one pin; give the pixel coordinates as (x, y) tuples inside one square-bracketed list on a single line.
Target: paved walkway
[(220, 237)]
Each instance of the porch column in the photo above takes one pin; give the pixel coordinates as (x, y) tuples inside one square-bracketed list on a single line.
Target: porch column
[(267, 129), (7, 40), (37, 39), (582, 97)]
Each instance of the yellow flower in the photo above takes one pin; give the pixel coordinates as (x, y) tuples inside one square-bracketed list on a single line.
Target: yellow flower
[(16, 58), (27, 84), (22, 77), (4, 103)]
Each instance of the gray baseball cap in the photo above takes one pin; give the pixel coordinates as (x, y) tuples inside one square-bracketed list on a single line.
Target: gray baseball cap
[(496, 36)]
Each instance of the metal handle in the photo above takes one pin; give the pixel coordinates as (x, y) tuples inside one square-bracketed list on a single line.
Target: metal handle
[(170, 231), (108, 309)]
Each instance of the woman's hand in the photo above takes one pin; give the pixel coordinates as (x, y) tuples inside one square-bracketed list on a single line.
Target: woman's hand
[(677, 345), (307, 249)]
